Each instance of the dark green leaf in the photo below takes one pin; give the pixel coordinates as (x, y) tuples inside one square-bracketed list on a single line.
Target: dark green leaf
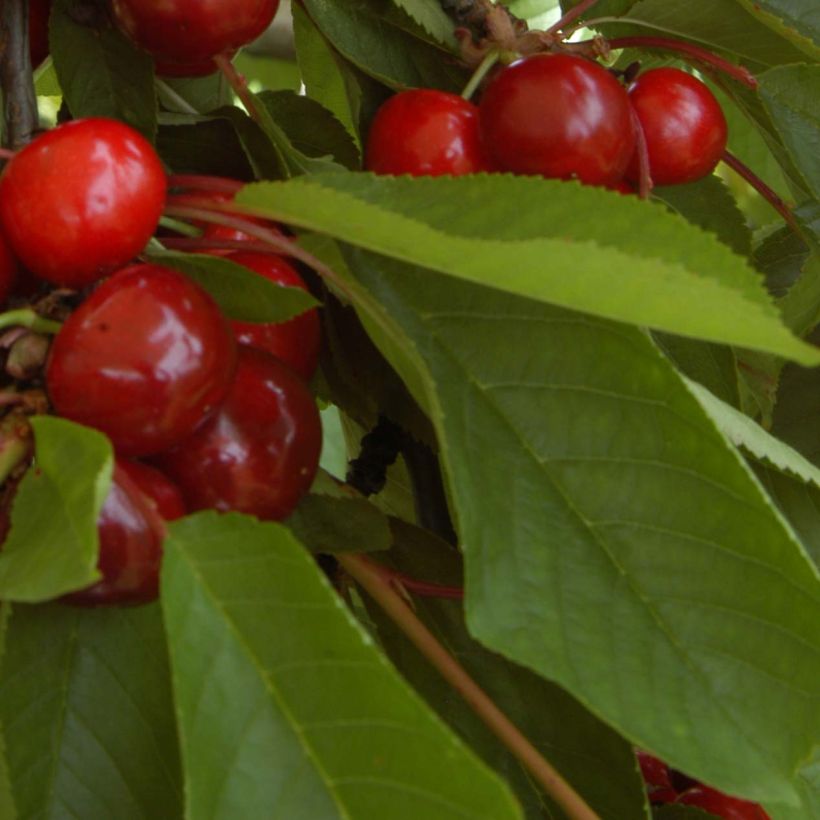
[(242, 294), (615, 542), (797, 20), (85, 703), (101, 73), (285, 706), (205, 147), (590, 755), (431, 17), (194, 94), (52, 545)]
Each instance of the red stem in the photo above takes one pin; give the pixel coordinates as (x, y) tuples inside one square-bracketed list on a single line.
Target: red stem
[(200, 182), (762, 188), (424, 589), (193, 244), (239, 84), (571, 16), (739, 72), (644, 176)]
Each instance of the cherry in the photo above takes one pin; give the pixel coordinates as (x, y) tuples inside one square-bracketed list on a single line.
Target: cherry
[(8, 270), (130, 548), (654, 771), (144, 359), (259, 453), (184, 35), (297, 341), (156, 487), (38, 13), (81, 200), (683, 124), (426, 133), (729, 808), (559, 116)]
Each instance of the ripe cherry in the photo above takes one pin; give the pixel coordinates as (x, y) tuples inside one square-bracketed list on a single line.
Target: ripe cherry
[(144, 359), (259, 453), (559, 116), (8, 270), (654, 771), (131, 537), (184, 35), (424, 132), (729, 808), (81, 200), (297, 341), (683, 124), (38, 13), (156, 487)]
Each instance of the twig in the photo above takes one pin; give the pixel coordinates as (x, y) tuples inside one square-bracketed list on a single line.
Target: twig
[(451, 670), (20, 100)]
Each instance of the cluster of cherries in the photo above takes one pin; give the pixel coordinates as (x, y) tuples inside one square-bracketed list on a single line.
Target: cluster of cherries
[(559, 116), (666, 785), (202, 412)]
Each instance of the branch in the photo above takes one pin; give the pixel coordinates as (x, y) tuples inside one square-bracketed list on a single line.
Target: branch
[(451, 670), (20, 101)]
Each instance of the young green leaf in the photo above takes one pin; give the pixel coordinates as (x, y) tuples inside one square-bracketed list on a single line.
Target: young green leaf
[(52, 545), (85, 704), (614, 541), (285, 706)]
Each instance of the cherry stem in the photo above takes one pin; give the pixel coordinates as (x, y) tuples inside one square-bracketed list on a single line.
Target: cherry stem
[(739, 72), (402, 581), (202, 244), (395, 607), (644, 176), (490, 59), (571, 16), (201, 182), (6, 153), (25, 317), (179, 226), (762, 188), (239, 84)]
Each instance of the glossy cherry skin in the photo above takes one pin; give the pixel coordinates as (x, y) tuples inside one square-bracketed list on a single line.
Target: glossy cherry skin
[(558, 116), (144, 359), (131, 538), (38, 13), (81, 200), (8, 270), (156, 487), (259, 453), (188, 33), (721, 805), (297, 341), (683, 124), (424, 132)]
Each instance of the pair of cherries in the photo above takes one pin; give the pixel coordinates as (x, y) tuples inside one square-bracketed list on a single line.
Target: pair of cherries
[(559, 116), (221, 408)]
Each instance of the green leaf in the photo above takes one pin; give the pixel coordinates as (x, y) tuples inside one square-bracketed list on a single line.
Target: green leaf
[(625, 259), (335, 518), (7, 807), (202, 94), (590, 755), (243, 294), (101, 73), (285, 706), (432, 18), (615, 542), (85, 702), (204, 147), (52, 545), (370, 37), (797, 20), (790, 94)]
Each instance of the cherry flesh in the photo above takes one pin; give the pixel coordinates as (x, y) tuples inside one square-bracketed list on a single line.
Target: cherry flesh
[(297, 341), (184, 35), (558, 116), (424, 132), (683, 123), (130, 548), (259, 453), (721, 805), (38, 13), (144, 359), (156, 487), (81, 200)]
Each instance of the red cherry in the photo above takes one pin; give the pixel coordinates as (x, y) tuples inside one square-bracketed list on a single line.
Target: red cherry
[(729, 808), (156, 487), (130, 548), (81, 200), (8, 270), (654, 771), (683, 123), (144, 359), (38, 13), (297, 341), (259, 452), (426, 133), (184, 35), (559, 116)]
